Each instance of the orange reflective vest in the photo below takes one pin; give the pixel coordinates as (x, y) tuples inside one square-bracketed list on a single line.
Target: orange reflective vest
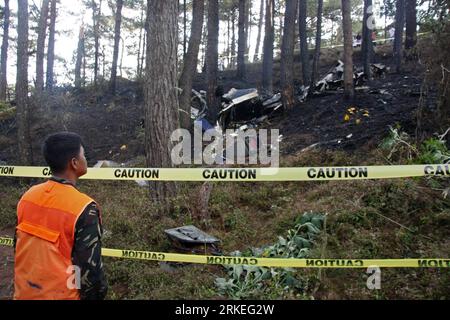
[(46, 219)]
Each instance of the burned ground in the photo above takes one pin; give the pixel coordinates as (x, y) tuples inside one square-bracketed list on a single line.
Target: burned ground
[(111, 125)]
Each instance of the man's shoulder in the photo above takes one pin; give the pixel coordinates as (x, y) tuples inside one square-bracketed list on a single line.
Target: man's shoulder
[(34, 190)]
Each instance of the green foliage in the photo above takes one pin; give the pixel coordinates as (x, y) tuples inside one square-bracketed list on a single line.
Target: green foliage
[(6, 110), (400, 147), (432, 151), (399, 144), (253, 281)]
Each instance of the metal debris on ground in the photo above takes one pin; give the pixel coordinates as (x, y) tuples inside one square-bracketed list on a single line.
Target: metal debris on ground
[(250, 108), (191, 239), (106, 164), (334, 79), (247, 106)]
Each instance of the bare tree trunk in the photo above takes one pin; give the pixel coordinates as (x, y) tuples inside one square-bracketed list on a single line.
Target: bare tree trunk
[(399, 24), (144, 54), (51, 48), (303, 41), (203, 201), (233, 38), (4, 53), (23, 127), (248, 11), (269, 28), (184, 29), (138, 71), (228, 40), (287, 55), (122, 51), (367, 46), (348, 49), (281, 25), (242, 40), (411, 27), (40, 46), (96, 11), (144, 45), (83, 79), (190, 63), (161, 97), (385, 19), (80, 55), (260, 25), (212, 59), (318, 42), (112, 85)]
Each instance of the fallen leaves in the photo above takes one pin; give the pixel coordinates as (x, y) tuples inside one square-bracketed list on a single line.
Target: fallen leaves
[(357, 114)]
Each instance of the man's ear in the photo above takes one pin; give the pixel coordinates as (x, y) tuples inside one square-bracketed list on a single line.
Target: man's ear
[(73, 164)]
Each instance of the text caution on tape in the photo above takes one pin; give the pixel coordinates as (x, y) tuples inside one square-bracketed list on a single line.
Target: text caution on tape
[(269, 262), (243, 174)]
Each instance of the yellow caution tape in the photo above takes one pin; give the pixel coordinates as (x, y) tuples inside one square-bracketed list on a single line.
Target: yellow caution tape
[(6, 242), (243, 174), (269, 262)]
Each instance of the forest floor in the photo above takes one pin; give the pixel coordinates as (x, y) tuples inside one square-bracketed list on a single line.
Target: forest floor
[(246, 215)]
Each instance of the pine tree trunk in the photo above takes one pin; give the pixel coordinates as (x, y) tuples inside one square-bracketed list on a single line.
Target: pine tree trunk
[(248, 11), (96, 11), (212, 59), (287, 55), (80, 52), (40, 46), (411, 26), (242, 40), (122, 51), (233, 38), (138, 71), (366, 45), (204, 42), (228, 41), (318, 43), (143, 55), (399, 24), (385, 19), (4, 52), (103, 61), (160, 94), (280, 36), (184, 29), (269, 29), (348, 49), (83, 77), (51, 48), (112, 85), (144, 45), (22, 115), (304, 54), (190, 63), (260, 25)]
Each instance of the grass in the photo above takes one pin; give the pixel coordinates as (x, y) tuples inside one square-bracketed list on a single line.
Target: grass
[(246, 215)]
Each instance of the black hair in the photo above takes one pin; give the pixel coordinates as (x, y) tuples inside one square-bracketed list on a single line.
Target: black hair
[(60, 148)]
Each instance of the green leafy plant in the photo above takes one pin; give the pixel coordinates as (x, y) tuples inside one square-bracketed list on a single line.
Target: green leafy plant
[(433, 151), (252, 281), (6, 111), (400, 146)]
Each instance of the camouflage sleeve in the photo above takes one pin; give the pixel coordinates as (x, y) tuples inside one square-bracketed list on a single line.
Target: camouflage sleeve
[(86, 254)]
